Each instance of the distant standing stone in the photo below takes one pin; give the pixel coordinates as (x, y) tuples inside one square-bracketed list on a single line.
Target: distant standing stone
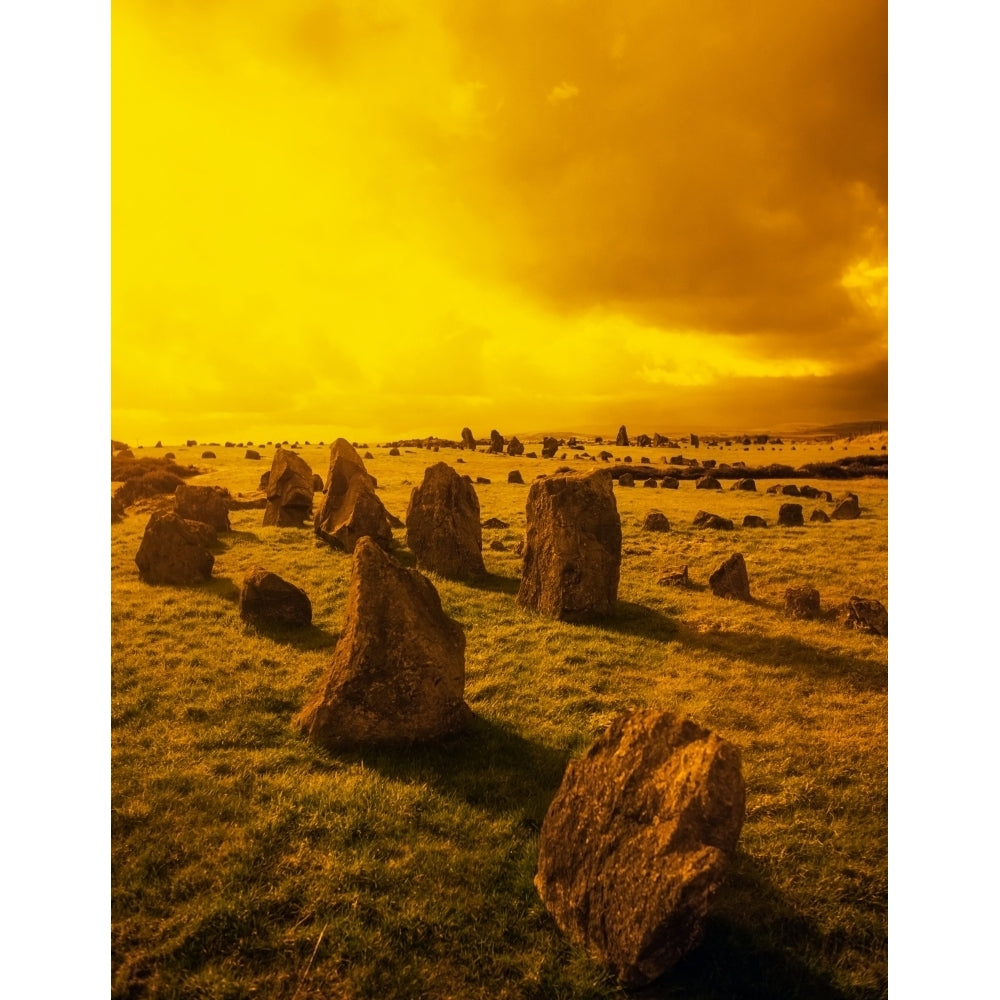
[(514, 447), (254, 455), (754, 521), (703, 519), (622, 440), (802, 602), (730, 579), (820, 515), (515, 477), (350, 510), (638, 840), (669, 483), (868, 616), (289, 489), (708, 483), (847, 508), (626, 479), (656, 521), (268, 601), (496, 442), (790, 515), (468, 441)]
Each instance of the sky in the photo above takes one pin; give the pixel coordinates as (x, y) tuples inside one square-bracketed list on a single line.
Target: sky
[(397, 219)]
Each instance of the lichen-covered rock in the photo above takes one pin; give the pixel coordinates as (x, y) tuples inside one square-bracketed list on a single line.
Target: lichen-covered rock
[(638, 839), (573, 547), (730, 579), (802, 602), (289, 490), (208, 504), (175, 551), (442, 524), (398, 672), (267, 601), (350, 510), (868, 616)]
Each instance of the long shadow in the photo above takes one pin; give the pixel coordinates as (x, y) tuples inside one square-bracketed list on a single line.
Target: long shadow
[(224, 587), (304, 639), (240, 536), (496, 584), (487, 765), (787, 651), (756, 947), (630, 618)]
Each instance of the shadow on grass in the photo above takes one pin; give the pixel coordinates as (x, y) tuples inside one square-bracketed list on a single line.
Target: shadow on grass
[(303, 639), (239, 536), (756, 947), (496, 584), (638, 620), (787, 651), (224, 587), (488, 766)]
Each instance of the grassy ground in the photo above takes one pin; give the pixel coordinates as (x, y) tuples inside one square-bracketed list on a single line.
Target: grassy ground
[(247, 862)]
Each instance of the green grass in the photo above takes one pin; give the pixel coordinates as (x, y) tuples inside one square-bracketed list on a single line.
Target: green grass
[(247, 862)]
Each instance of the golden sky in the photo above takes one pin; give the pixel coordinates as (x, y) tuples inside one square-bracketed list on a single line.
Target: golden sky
[(392, 219)]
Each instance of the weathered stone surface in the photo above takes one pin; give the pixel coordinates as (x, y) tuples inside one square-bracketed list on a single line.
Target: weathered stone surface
[(643, 441), (649, 483), (669, 483), (802, 602), (791, 490), (622, 440), (605, 456), (263, 481), (790, 515), (175, 551), (208, 454), (496, 442), (708, 483), (350, 510), (267, 601), (820, 515), (254, 455), (868, 616), (442, 524), (809, 492), (776, 488), (847, 508), (398, 672), (573, 547), (754, 521), (675, 579), (703, 519), (549, 447), (656, 520), (208, 504), (289, 491), (626, 479), (638, 839), (394, 452), (317, 483), (514, 447), (515, 477), (730, 579), (468, 441), (744, 484)]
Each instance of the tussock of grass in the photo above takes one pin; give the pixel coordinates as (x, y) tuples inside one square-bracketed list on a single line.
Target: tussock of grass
[(247, 862)]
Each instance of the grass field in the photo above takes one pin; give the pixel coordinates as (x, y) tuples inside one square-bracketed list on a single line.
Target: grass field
[(246, 862)]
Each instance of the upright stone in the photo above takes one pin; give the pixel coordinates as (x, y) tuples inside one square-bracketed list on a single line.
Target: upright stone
[(468, 441), (442, 524), (638, 840), (790, 515), (289, 491), (514, 447), (730, 579), (496, 442), (622, 440), (847, 508), (350, 510), (266, 600), (398, 672), (549, 447), (573, 547)]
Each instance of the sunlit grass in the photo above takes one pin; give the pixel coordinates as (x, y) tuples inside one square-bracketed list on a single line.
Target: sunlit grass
[(248, 862)]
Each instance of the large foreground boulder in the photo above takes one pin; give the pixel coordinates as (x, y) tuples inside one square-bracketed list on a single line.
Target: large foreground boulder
[(638, 839), (267, 601), (731, 580), (442, 524), (289, 491), (350, 510), (573, 547), (398, 672), (175, 551), (208, 504)]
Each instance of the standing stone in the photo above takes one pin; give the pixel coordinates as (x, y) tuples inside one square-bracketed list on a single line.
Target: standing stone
[(254, 455), (703, 519), (350, 510), (649, 483), (643, 441), (790, 515), (267, 601), (398, 672), (669, 483), (622, 440), (626, 479), (791, 490), (442, 524), (549, 447), (847, 508), (515, 477), (802, 602), (468, 441), (695, 440), (515, 448), (496, 442), (708, 483), (754, 521), (744, 484), (573, 547), (820, 515), (174, 550), (208, 504), (730, 579), (638, 840), (289, 491), (868, 616)]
